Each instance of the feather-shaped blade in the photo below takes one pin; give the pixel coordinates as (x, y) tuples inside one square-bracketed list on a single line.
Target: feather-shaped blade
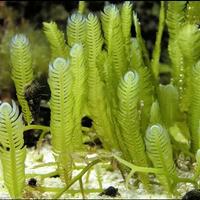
[(12, 149)]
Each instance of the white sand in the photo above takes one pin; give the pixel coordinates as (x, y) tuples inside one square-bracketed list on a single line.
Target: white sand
[(109, 178)]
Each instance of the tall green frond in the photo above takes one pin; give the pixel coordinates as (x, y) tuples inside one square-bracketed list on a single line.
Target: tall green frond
[(12, 150), (178, 76), (100, 79), (157, 48), (103, 63), (175, 17), (192, 12), (146, 95), (96, 87), (194, 111), (126, 22), (61, 105), (56, 40), (136, 54), (145, 83), (159, 150), (102, 119), (94, 42), (128, 92), (190, 51), (22, 72), (140, 40), (111, 24), (77, 65), (76, 29), (175, 20)]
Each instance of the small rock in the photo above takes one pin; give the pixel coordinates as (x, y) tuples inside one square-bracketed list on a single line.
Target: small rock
[(110, 191), (192, 195)]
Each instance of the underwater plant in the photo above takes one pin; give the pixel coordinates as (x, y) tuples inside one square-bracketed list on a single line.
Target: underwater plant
[(100, 68), (129, 123), (12, 150), (160, 152), (61, 126), (22, 71)]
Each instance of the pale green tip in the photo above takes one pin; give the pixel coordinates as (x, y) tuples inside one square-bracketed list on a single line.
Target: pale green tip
[(5, 108), (76, 17), (91, 16), (128, 4), (111, 8), (60, 63), (76, 49), (19, 40), (157, 128), (130, 76)]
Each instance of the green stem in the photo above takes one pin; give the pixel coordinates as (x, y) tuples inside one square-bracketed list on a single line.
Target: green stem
[(156, 51), (82, 188), (39, 143), (128, 177), (98, 176), (37, 127), (42, 175), (140, 40), (88, 176), (76, 178), (138, 168), (45, 165), (79, 167)]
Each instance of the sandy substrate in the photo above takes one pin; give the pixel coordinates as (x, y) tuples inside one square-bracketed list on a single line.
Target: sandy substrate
[(108, 178)]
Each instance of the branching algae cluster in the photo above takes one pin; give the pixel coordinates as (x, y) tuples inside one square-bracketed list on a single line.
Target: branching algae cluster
[(98, 69)]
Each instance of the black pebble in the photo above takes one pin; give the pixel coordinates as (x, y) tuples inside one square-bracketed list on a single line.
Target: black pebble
[(86, 122), (98, 142), (192, 195), (32, 182), (110, 191)]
